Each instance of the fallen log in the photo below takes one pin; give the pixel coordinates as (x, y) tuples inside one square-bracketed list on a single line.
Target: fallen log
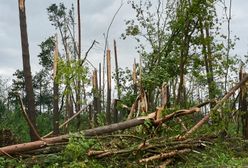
[(19, 148)]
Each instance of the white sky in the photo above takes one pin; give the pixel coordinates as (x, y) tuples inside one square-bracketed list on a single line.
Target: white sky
[(96, 16)]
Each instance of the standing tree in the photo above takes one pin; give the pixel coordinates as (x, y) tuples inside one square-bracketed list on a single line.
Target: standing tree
[(26, 68)]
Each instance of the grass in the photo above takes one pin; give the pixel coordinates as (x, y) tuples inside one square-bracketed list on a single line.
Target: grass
[(228, 153)]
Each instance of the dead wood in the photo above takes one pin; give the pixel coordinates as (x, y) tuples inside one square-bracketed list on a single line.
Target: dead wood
[(177, 114), (106, 153), (165, 155), (53, 148), (165, 163), (133, 108), (179, 120)]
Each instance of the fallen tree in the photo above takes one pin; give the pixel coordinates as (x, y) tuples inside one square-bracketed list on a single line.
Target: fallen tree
[(19, 148)]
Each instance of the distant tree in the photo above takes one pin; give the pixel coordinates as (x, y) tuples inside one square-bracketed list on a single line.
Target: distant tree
[(71, 71), (45, 77), (26, 68), (4, 100), (43, 91)]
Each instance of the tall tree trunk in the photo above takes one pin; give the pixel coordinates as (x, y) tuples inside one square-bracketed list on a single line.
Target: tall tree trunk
[(181, 95), (55, 91), (26, 68), (100, 87), (117, 72), (78, 92), (243, 104), (207, 53), (108, 112), (55, 108), (96, 98), (212, 84), (134, 77)]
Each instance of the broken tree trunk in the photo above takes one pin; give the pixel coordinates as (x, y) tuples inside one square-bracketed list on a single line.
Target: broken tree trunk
[(96, 95), (117, 72), (243, 104), (108, 108)]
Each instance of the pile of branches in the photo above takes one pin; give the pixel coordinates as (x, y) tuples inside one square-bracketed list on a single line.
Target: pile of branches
[(154, 151)]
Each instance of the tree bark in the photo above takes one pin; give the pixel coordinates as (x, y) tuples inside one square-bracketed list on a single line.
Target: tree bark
[(26, 68), (78, 91), (117, 72), (243, 104), (55, 92), (108, 112)]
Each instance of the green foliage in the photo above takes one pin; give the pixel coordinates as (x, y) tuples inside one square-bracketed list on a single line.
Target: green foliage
[(17, 124), (101, 119), (218, 155), (44, 123), (46, 54), (57, 14), (77, 148), (68, 71), (74, 155), (4, 162)]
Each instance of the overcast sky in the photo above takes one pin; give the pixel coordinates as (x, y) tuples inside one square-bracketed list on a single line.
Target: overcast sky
[(96, 16)]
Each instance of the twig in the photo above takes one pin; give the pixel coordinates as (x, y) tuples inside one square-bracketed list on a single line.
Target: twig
[(87, 52), (106, 46), (121, 136), (165, 163), (164, 155), (5, 153)]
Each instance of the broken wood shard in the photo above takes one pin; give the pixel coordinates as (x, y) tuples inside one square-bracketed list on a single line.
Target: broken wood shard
[(165, 155)]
